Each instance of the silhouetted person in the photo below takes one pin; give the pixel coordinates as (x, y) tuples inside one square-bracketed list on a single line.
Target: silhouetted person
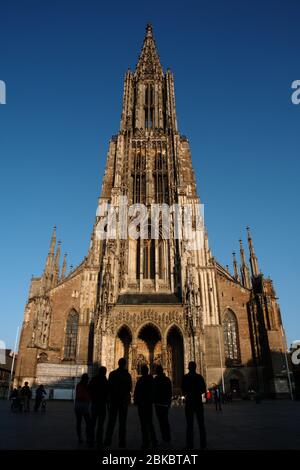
[(98, 388), (193, 386), (13, 394), (119, 388), (20, 398), (15, 400), (217, 398), (39, 395), (144, 398), (82, 403), (162, 400), (26, 396)]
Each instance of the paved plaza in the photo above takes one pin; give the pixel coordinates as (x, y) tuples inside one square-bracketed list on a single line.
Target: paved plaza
[(240, 425)]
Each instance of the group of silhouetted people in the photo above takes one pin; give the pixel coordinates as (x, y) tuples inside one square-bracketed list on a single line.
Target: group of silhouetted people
[(99, 397), (20, 398)]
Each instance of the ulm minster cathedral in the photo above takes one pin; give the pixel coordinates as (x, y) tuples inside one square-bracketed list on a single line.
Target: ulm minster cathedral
[(152, 301)]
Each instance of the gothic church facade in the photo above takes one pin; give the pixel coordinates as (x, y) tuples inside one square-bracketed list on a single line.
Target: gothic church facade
[(152, 300)]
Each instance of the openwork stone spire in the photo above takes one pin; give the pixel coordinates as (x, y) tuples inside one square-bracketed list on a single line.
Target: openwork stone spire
[(149, 66)]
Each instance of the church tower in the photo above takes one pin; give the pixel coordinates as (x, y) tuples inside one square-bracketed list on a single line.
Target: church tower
[(156, 297)]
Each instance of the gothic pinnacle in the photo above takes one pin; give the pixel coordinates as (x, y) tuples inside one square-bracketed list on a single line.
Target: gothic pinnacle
[(56, 267), (64, 266), (253, 258), (50, 258), (242, 253), (57, 255), (244, 268), (235, 268), (53, 240)]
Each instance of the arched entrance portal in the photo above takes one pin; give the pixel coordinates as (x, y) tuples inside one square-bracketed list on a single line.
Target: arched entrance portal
[(149, 348), (123, 345), (235, 383), (175, 358)]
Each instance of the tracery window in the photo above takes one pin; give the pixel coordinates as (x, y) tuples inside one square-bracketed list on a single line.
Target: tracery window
[(71, 335), (160, 178), (231, 338)]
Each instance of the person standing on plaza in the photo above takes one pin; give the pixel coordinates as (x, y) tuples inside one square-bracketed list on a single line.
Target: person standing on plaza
[(98, 388), (143, 398), (162, 400), (82, 404), (26, 395), (119, 389), (39, 395), (193, 387), (217, 398)]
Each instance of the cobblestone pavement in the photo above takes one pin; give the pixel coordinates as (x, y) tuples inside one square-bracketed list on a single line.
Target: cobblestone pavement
[(240, 425)]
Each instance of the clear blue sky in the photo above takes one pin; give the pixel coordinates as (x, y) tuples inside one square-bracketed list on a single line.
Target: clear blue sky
[(63, 62)]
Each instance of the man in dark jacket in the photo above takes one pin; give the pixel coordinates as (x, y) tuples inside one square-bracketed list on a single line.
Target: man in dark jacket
[(193, 386), (98, 388), (162, 400), (143, 398), (26, 396), (39, 396), (119, 388)]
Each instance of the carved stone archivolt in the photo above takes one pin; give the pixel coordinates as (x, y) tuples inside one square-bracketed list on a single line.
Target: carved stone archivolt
[(136, 320)]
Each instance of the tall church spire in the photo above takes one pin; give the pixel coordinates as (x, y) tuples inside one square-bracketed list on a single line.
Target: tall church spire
[(253, 259), (149, 66), (148, 96)]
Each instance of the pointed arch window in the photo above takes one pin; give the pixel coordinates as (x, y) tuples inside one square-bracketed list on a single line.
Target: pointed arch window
[(149, 106), (139, 174), (161, 259), (71, 335), (160, 177), (231, 338)]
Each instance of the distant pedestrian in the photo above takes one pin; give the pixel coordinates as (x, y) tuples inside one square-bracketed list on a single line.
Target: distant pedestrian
[(208, 396), (217, 398), (26, 395), (193, 386), (82, 403), (144, 398), (119, 388), (162, 400), (98, 388), (39, 396)]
